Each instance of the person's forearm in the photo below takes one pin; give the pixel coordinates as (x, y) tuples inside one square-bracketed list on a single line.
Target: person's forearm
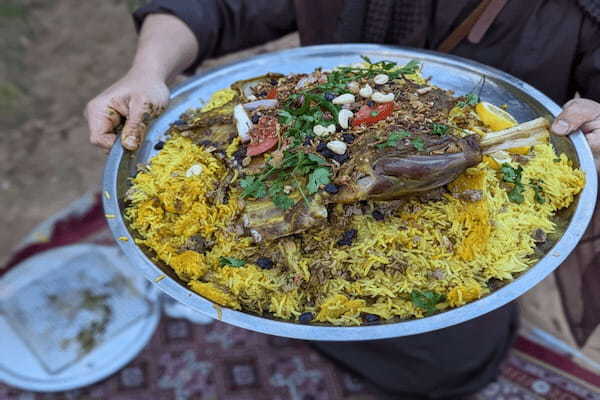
[(166, 47)]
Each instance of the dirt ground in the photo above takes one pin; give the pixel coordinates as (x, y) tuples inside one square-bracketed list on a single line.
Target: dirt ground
[(57, 55)]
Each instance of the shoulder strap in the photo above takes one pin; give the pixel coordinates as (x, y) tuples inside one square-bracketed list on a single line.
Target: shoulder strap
[(475, 25)]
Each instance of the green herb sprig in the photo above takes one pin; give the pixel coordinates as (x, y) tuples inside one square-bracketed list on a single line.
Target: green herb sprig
[(513, 175), (439, 129), (426, 300), (234, 262), (393, 138), (536, 185), (471, 99), (294, 165), (418, 143)]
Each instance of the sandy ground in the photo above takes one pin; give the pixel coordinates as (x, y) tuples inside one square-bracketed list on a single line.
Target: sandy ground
[(57, 55)]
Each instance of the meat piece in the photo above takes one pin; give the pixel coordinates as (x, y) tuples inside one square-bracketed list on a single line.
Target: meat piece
[(416, 163), (433, 195), (470, 195), (198, 244), (267, 222), (391, 174), (539, 236)]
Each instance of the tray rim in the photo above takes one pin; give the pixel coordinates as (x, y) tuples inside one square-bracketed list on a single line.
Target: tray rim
[(557, 254)]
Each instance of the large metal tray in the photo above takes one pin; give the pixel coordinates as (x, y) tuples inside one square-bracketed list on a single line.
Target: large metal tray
[(460, 75)]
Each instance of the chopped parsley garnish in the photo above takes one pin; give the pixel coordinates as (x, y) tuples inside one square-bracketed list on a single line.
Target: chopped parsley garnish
[(516, 194), (536, 185), (320, 176), (294, 165), (303, 111), (439, 129), (510, 174), (283, 201), (426, 300), (471, 99), (339, 77), (253, 187), (418, 143), (234, 262), (513, 175), (393, 139)]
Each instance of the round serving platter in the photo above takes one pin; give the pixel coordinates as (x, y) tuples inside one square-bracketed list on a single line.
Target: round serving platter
[(448, 72)]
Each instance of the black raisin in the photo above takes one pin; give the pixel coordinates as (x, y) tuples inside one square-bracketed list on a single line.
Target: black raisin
[(207, 143), (159, 145), (274, 82), (255, 118), (378, 215), (329, 154), (306, 317), (308, 140), (370, 318), (348, 138), (329, 96), (347, 237), (341, 158), (331, 188), (240, 154), (321, 147), (370, 103), (264, 263), (263, 93)]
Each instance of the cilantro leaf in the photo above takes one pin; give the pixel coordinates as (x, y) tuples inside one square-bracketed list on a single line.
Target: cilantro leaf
[(282, 201), (285, 117), (393, 139), (234, 262), (513, 175), (516, 194), (418, 143), (539, 191), (317, 159), (411, 67), (471, 99), (510, 174), (253, 187), (320, 176), (426, 300), (439, 129)]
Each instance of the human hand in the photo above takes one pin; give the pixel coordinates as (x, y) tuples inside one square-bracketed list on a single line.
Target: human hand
[(581, 114), (138, 97)]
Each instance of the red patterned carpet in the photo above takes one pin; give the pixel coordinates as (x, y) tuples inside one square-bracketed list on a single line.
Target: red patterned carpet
[(217, 361)]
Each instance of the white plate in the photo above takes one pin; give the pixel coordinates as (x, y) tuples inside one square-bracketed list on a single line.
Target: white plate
[(19, 367)]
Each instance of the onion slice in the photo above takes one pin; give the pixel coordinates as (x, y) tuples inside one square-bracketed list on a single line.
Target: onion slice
[(242, 123), (307, 80), (266, 103)]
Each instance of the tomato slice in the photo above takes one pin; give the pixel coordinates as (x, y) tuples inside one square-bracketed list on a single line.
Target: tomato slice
[(263, 136), (369, 115), (272, 94)]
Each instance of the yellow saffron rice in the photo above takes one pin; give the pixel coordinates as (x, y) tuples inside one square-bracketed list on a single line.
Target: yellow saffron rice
[(492, 239)]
